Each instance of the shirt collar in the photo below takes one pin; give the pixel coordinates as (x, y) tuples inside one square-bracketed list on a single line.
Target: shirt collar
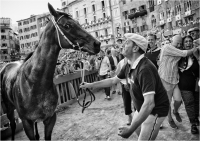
[(136, 62)]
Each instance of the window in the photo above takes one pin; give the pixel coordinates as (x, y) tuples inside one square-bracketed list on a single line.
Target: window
[(133, 10), (124, 1), (3, 37), (104, 15), (178, 9), (2, 30), (125, 14), (187, 5), (96, 33), (142, 7), (10, 37), (4, 45), (95, 18), (162, 16), (151, 3), (86, 21), (77, 14), (168, 12), (153, 21), (22, 45), (63, 3), (106, 32), (103, 5), (93, 8), (20, 31), (19, 23), (85, 11)]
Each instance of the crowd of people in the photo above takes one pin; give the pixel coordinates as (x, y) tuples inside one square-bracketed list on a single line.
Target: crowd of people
[(153, 77)]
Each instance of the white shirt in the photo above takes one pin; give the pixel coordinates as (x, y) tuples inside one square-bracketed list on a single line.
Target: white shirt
[(104, 66)]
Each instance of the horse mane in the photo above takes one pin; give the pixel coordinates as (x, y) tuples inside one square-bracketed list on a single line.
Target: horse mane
[(31, 53)]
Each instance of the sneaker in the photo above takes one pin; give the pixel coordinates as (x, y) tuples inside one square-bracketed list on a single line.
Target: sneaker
[(194, 129), (172, 124), (161, 126), (108, 97), (178, 118)]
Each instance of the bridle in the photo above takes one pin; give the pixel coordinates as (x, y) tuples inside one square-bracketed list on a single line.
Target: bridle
[(58, 30), (92, 96)]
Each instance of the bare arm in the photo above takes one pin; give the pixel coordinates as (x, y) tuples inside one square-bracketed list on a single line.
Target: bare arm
[(101, 84), (145, 111)]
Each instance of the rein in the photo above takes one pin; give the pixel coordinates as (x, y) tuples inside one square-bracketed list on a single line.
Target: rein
[(92, 96), (58, 30)]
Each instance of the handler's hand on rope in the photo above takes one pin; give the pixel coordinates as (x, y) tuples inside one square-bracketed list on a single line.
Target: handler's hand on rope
[(85, 85)]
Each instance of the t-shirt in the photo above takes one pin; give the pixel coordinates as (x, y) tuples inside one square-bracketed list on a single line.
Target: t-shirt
[(153, 56), (144, 80)]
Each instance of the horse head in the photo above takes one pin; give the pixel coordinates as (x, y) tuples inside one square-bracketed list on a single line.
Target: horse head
[(70, 34)]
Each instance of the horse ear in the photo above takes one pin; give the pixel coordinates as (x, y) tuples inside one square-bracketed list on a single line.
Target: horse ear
[(52, 10)]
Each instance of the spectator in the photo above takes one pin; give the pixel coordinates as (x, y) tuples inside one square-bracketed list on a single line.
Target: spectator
[(189, 72), (104, 72), (153, 52), (194, 32), (168, 71)]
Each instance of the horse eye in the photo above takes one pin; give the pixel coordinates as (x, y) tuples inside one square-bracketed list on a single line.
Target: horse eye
[(66, 25)]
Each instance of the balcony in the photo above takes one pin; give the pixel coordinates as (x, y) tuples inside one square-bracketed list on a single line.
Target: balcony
[(162, 22), (137, 14), (178, 17)]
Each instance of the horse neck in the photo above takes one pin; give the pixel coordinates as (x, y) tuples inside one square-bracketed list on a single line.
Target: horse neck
[(40, 68)]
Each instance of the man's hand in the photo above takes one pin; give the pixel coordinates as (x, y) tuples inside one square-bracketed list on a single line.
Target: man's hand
[(124, 132), (85, 85)]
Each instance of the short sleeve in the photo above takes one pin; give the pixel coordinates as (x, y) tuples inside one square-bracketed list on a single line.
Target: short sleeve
[(121, 74), (147, 81)]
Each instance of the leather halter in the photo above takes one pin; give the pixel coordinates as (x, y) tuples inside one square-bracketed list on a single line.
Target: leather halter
[(58, 30)]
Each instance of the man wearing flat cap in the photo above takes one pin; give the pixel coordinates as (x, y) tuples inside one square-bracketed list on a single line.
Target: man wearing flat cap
[(194, 32), (146, 89)]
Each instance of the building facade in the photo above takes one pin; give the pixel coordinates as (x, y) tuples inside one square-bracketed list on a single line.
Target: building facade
[(9, 48), (163, 17), (28, 33), (95, 16)]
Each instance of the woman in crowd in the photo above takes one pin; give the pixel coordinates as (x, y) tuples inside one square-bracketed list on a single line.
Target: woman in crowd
[(189, 73)]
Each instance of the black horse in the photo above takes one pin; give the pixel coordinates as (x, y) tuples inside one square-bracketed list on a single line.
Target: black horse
[(28, 87)]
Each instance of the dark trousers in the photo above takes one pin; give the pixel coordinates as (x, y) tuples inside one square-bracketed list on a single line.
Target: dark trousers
[(127, 100), (107, 89), (191, 101)]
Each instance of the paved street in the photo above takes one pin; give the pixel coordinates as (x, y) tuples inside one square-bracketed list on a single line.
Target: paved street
[(101, 121)]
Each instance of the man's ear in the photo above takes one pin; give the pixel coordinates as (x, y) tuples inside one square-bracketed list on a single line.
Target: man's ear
[(135, 48)]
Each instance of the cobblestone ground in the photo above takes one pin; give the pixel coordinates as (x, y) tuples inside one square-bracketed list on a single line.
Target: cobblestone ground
[(101, 121)]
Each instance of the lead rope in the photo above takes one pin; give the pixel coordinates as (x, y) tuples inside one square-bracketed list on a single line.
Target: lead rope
[(92, 96)]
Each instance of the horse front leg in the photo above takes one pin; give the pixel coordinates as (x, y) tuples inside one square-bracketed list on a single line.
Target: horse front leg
[(11, 117), (37, 136), (48, 126), (29, 129)]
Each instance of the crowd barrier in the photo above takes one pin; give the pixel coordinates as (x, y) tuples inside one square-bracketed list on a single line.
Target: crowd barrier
[(66, 85)]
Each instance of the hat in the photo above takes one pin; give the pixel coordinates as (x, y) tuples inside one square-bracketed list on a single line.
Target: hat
[(193, 29), (138, 39)]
